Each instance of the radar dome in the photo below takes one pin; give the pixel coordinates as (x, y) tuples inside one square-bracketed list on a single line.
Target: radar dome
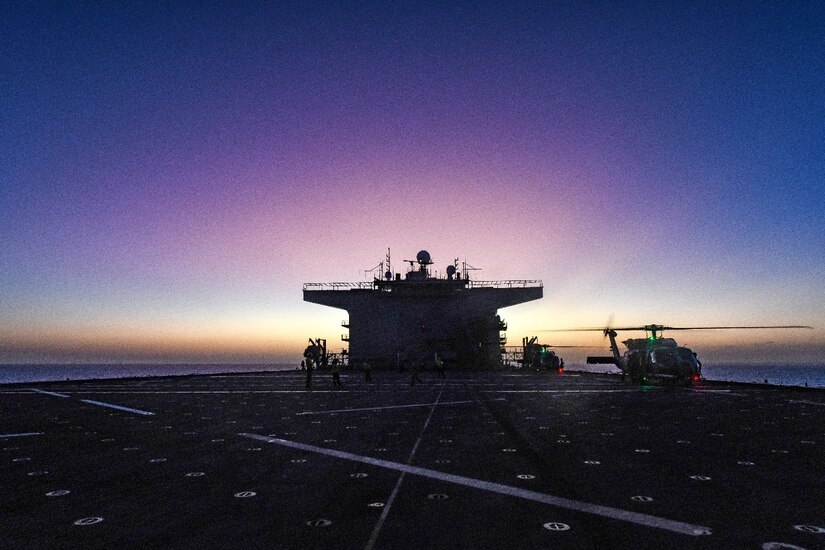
[(423, 257), (450, 270)]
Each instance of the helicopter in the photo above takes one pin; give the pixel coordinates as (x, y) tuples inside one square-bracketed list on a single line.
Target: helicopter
[(655, 357), (540, 357)]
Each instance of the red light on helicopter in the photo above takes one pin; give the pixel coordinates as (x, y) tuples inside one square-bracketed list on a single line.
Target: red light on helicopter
[(695, 377)]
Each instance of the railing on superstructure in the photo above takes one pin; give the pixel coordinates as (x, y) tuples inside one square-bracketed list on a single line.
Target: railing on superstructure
[(370, 285)]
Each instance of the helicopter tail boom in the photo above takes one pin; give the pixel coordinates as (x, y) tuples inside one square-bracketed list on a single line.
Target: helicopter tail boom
[(602, 361)]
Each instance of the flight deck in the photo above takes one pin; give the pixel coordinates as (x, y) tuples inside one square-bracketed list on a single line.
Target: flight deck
[(479, 460)]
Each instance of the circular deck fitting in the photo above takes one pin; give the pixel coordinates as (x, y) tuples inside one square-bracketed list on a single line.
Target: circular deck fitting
[(319, 523), (700, 478), (592, 462), (438, 496), (376, 504), (508, 450), (157, 460), (745, 463), (330, 441), (298, 460), (544, 427), (642, 498), (526, 476), (641, 450), (195, 474), (245, 494), (358, 475), (58, 493), (563, 441), (556, 526), (88, 521), (813, 529)]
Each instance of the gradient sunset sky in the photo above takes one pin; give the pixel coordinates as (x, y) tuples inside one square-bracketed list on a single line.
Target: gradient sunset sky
[(172, 172)]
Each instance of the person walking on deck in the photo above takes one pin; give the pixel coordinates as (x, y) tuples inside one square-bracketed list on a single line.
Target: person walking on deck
[(336, 372), (309, 372)]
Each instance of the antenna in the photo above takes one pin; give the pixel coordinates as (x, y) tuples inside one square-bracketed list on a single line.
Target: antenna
[(467, 267)]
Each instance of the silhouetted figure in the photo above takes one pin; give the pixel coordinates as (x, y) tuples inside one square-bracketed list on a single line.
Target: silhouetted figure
[(439, 366), (336, 374), (309, 372), (367, 371), (415, 377)]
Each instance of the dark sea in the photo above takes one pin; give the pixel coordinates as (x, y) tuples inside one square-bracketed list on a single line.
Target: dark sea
[(11, 374), (810, 375)]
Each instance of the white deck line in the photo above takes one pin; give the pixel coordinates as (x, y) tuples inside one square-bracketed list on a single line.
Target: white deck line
[(386, 511), (387, 407), (53, 394), (118, 407), (560, 502), (2, 436)]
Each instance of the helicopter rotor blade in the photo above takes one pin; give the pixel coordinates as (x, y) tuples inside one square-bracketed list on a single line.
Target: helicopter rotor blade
[(663, 327), (733, 327)]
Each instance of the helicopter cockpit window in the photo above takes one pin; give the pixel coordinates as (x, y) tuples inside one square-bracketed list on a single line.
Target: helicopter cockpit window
[(665, 357), (686, 356), (671, 357)]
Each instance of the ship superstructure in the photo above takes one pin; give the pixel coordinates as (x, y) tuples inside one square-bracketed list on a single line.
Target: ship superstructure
[(397, 320)]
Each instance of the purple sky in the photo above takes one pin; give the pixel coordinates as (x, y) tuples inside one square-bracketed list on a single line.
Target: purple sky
[(171, 175)]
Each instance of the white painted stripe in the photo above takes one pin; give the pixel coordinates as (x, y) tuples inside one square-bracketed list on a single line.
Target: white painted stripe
[(386, 511), (560, 502), (623, 390), (806, 402), (20, 435), (387, 407), (54, 394), (118, 407)]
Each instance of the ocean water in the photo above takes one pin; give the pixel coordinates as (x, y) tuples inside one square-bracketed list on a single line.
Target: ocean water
[(810, 375), (11, 374), (781, 375)]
